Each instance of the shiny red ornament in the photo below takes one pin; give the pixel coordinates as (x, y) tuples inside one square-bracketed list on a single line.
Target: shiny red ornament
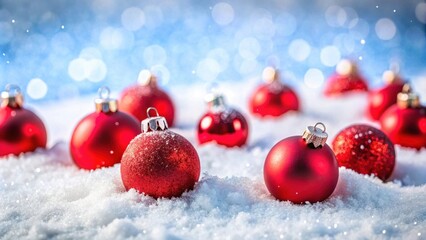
[(366, 150), (222, 124), (381, 99), (100, 138), (405, 122), (345, 79), (159, 162), (302, 168), (136, 99), (273, 98), (20, 129)]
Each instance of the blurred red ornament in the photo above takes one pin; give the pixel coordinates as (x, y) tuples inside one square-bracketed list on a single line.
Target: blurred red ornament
[(136, 99), (20, 129), (405, 122), (302, 168), (222, 124), (366, 150), (381, 99), (346, 79), (159, 162), (273, 98), (100, 138)]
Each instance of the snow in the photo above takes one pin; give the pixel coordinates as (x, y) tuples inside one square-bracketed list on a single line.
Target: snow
[(44, 195)]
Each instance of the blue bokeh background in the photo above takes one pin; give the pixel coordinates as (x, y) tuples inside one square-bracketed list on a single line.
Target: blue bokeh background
[(59, 49)]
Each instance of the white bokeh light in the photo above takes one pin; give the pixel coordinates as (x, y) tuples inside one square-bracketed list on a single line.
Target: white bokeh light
[(154, 54), (37, 88), (221, 56), (299, 50), (314, 78), (77, 69), (223, 13), (208, 69), (116, 38), (249, 48), (264, 28), (133, 18), (421, 12), (162, 73), (385, 29), (96, 70), (335, 16), (330, 56)]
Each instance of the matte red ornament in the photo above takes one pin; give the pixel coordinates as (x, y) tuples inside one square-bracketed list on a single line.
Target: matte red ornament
[(100, 138), (381, 99), (405, 122), (136, 99), (273, 98), (345, 79), (222, 124), (159, 162), (20, 129), (302, 168), (366, 150)]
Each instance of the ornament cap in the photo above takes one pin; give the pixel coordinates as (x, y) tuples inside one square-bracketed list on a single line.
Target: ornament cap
[(104, 103), (12, 96), (408, 99), (390, 77), (271, 75), (156, 123), (147, 78), (346, 67), (315, 136)]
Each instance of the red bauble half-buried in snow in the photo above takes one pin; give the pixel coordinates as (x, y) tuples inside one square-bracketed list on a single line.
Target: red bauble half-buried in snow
[(366, 150), (405, 122), (20, 129), (136, 99), (273, 98), (302, 168), (159, 162), (100, 138), (381, 99), (345, 79), (222, 124)]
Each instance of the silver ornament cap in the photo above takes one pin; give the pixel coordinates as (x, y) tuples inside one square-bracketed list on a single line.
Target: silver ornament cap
[(12, 96), (155, 123), (315, 136), (104, 103)]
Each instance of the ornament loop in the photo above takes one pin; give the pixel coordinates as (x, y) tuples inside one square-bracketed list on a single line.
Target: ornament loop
[(104, 103), (152, 108), (315, 136), (13, 89), (323, 126), (104, 92)]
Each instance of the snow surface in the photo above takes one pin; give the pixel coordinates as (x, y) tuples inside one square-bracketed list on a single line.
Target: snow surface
[(43, 194)]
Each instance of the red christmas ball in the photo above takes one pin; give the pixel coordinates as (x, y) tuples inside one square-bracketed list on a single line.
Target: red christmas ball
[(366, 150), (100, 138), (405, 122), (20, 129), (381, 99), (136, 99), (346, 79), (302, 168), (159, 162), (273, 98), (221, 124)]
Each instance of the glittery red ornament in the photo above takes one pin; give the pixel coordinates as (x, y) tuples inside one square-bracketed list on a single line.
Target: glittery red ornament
[(405, 122), (159, 162), (366, 150), (273, 98), (136, 99), (222, 124), (346, 79), (20, 129), (381, 99), (302, 168), (100, 138)]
